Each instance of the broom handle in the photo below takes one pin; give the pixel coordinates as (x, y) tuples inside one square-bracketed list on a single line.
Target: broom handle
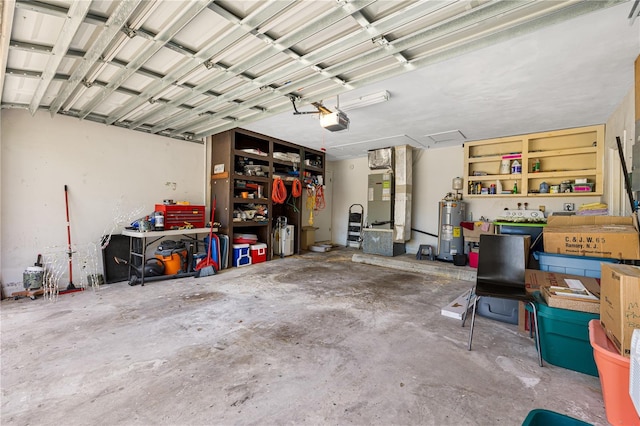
[(66, 202), (213, 212)]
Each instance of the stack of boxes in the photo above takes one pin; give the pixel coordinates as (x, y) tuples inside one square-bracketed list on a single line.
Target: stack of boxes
[(591, 332)]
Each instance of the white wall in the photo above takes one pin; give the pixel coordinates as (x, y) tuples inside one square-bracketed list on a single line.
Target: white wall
[(110, 173), (622, 124)]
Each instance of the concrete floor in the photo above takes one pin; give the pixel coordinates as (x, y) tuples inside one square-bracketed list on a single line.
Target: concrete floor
[(315, 339)]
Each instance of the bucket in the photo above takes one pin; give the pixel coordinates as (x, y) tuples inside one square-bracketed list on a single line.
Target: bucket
[(460, 259), (33, 277)]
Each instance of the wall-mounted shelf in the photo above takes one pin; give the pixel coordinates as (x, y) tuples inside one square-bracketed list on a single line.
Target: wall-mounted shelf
[(563, 156)]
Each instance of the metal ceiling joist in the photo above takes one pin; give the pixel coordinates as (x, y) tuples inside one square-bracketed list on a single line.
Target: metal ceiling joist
[(266, 11), (72, 22), (7, 10), (188, 13), (99, 21), (65, 77), (115, 22), (272, 47), (75, 54)]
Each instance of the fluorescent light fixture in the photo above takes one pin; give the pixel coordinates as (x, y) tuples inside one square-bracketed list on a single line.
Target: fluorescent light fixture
[(363, 101)]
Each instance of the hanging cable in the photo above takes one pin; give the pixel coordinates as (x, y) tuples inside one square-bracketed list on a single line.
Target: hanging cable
[(296, 188), (279, 192), (292, 203), (319, 199)]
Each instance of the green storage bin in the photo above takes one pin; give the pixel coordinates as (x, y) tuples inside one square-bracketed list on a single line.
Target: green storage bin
[(551, 418), (564, 337)]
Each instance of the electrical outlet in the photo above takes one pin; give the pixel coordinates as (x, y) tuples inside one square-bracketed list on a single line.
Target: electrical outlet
[(568, 207)]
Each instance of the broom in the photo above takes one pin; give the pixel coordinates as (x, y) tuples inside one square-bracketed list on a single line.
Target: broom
[(208, 266)]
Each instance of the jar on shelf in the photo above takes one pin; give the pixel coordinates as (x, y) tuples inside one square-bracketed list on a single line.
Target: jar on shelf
[(544, 188), (505, 166), (516, 167), (535, 168)]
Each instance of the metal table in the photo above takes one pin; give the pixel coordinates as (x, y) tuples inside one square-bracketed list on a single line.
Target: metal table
[(149, 237)]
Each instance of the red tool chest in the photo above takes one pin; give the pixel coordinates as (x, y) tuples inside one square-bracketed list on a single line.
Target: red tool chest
[(178, 216)]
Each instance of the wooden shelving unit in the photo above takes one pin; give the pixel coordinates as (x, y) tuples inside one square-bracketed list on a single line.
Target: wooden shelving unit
[(564, 155), (232, 151)]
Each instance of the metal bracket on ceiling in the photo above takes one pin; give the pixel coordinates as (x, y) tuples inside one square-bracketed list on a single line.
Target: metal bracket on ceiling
[(130, 32), (320, 109)]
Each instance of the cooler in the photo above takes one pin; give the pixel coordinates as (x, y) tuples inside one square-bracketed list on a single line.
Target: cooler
[(258, 253), (241, 255)]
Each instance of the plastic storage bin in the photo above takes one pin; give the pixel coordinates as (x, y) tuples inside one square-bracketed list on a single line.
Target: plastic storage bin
[(564, 337), (258, 253), (241, 255), (575, 265), (541, 417), (504, 310), (614, 378)]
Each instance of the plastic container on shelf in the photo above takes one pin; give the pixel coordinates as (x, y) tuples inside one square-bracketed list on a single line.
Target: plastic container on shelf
[(516, 167), (614, 378), (245, 238)]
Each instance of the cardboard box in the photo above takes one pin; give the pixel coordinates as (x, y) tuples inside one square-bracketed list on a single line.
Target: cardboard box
[(532, 281), (620, 304), (536, 280), (614, 237)]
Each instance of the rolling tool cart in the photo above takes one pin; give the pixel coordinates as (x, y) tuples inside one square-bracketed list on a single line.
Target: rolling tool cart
[(354, 227)]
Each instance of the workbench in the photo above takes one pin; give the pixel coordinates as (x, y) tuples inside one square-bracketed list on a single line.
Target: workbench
[(149, 237)]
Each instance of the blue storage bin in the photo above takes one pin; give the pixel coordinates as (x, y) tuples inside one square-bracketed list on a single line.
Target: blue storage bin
[(505, 310), (574, 265)]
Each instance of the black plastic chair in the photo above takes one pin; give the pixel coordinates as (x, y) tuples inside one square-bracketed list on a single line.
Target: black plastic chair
[(501, 273)]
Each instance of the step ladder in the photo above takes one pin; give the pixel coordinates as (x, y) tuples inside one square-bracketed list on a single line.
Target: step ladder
[(354, 226)]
